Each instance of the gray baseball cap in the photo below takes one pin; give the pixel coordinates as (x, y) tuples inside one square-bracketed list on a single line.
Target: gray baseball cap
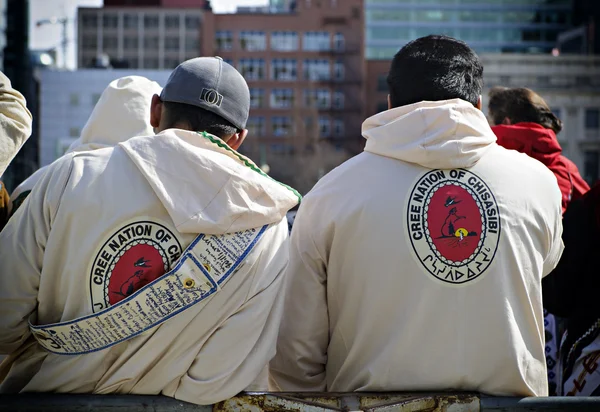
[(211, 84)]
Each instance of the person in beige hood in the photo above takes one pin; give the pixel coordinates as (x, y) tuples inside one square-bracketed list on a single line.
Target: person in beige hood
[(122, 112), (417, 265), (150, 267), (15, 122)]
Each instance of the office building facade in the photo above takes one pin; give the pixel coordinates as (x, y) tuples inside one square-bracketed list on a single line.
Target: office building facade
[(489, 26), (152, 38), (305, 69)]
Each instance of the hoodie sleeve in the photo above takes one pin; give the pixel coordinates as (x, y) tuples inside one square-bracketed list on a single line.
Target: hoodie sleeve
[(22, 245), (15, 122), (299, 364), (235, 356)]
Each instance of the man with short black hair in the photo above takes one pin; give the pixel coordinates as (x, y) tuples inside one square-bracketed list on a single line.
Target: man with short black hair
[(417, 265), (150, 267)]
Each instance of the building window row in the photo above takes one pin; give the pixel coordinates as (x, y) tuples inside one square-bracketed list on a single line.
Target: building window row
[(286, 69), (284, 98), (280, 41), (131, 20), (283, 126)]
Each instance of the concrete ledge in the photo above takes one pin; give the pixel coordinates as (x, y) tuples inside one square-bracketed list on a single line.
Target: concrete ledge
[(298, 402)]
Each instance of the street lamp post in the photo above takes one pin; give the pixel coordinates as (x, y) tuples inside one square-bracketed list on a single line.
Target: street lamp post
[(62, 21)]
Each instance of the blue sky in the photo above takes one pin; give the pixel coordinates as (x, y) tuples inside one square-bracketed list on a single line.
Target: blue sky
[(49, 36)]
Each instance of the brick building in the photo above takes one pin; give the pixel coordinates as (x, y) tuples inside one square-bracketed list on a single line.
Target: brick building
[(140, 34), (305, 69)]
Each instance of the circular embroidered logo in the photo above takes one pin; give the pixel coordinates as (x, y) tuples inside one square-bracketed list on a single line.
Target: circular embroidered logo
[(133, 256), (453, 224)]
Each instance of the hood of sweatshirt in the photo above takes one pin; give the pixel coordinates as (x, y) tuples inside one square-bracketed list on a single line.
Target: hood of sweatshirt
[(206, 186), (530, 138), (122, 112), (438, 135)]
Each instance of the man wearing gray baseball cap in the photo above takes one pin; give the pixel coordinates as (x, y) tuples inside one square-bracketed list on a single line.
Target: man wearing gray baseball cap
[(154, 269)]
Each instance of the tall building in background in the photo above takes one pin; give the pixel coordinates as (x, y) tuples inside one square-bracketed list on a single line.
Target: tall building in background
[(489, 26), (139, 36), (305, 69)]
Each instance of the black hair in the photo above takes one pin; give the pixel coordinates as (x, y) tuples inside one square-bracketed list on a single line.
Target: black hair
[(435, 68), (197, 119)]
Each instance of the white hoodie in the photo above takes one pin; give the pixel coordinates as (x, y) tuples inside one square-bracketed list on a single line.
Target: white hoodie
[(122, 112), (71, 248), (402, 277)]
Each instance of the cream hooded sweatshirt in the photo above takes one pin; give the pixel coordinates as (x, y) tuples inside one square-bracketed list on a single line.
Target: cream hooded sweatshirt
[(98, 219), (122, 112), (417, 265), (15, 122)]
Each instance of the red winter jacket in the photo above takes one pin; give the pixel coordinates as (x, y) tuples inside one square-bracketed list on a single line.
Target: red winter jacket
[(541, 144)]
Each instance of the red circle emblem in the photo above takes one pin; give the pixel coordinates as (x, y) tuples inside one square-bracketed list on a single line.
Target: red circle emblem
[(137, 267), (454, 223)]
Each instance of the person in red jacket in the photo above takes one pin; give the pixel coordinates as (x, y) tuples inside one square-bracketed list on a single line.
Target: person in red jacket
[(523, 121)]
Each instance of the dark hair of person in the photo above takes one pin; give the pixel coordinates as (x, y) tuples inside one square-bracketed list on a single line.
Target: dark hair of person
[(197, 119), (435, 68), (521, 105)]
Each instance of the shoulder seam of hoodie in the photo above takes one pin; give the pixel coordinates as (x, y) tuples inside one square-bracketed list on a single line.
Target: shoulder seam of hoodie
[(248, 163)]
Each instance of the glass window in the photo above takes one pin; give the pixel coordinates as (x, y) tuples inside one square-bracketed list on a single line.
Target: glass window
[(282, 126), (151, 63), (339, 42), (224, 39), (338, 127), (252, 69), (282, 98), (316, 41), (192, 22), (151, 21), (74, 99), (389, 33), (339, 70), (110, 21), (317, 70), (253, 40), (151, 43), (518, 16), (130, 21), (256, 126), (257, 98), (338, 100), (591, 164), (284, 40), (89, 41), (172, 21), (319, 98), (388, 15), (324, 126), (171, 63), (109, 41), (479, 16), (171, 43), (130, 43), (592, 119), (309, 125), (283, 69), (192, 43), (89, 21), (431, 15)]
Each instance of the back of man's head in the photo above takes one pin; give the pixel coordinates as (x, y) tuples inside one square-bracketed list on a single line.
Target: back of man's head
[(204, 94), (434, 68)]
